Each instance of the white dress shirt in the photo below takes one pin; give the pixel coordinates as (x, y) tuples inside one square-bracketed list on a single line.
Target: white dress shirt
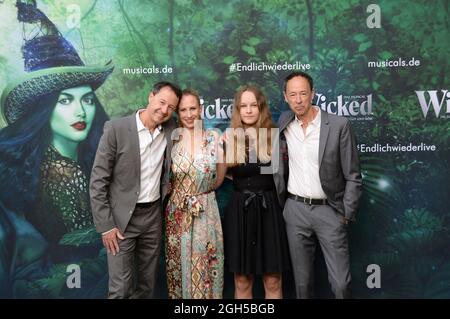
[(151, 150), (303, 151)]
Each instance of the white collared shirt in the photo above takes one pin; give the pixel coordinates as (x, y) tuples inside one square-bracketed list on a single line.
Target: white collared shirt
[(303, 151), (151, 150)]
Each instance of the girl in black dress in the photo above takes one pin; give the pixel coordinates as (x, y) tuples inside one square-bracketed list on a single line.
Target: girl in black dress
[(254, 231)]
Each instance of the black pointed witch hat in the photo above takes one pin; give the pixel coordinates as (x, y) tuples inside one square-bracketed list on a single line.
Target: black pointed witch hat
[(51, 62)]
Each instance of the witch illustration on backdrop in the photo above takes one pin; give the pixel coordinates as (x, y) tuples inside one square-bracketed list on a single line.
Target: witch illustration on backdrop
[(46, 153)]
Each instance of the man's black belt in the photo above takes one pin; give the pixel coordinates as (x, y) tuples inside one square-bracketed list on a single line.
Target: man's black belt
[(309, 201), (145, 205)]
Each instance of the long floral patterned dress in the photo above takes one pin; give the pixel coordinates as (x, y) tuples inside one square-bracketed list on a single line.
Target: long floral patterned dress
[(194, 242)]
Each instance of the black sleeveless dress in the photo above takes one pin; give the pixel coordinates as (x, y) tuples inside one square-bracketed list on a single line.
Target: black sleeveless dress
[(255, 239)]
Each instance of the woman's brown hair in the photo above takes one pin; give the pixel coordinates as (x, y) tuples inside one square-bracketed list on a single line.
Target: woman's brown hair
[(187, 92)]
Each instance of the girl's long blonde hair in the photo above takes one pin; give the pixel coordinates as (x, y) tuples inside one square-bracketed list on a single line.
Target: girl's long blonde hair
[(237, 148)]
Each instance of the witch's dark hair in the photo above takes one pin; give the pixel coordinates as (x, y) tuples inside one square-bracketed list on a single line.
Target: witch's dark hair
[(22, 147)]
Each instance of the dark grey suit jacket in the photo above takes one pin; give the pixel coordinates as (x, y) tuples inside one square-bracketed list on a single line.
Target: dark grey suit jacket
[(115, 176), (339, 169)]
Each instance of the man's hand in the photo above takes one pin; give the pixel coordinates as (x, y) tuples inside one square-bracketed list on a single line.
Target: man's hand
[(345, 221), (110, 240)]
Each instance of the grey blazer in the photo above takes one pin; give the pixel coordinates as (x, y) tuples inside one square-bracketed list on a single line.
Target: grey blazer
[(115, 177), (339, 169)]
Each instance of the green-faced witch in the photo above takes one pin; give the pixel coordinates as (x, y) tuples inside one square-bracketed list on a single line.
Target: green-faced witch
[(46, 153)]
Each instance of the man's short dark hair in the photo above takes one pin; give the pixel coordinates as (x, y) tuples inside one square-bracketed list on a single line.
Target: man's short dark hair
[(300, 74), (158, 86)]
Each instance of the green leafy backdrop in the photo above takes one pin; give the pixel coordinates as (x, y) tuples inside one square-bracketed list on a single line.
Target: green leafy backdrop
[(403, 219)]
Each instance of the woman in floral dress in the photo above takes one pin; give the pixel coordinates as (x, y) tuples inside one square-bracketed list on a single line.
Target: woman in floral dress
[(194, 243)]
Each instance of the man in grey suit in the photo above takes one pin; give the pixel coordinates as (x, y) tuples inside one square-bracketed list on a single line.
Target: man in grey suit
[(129, 184), (323, 184)]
